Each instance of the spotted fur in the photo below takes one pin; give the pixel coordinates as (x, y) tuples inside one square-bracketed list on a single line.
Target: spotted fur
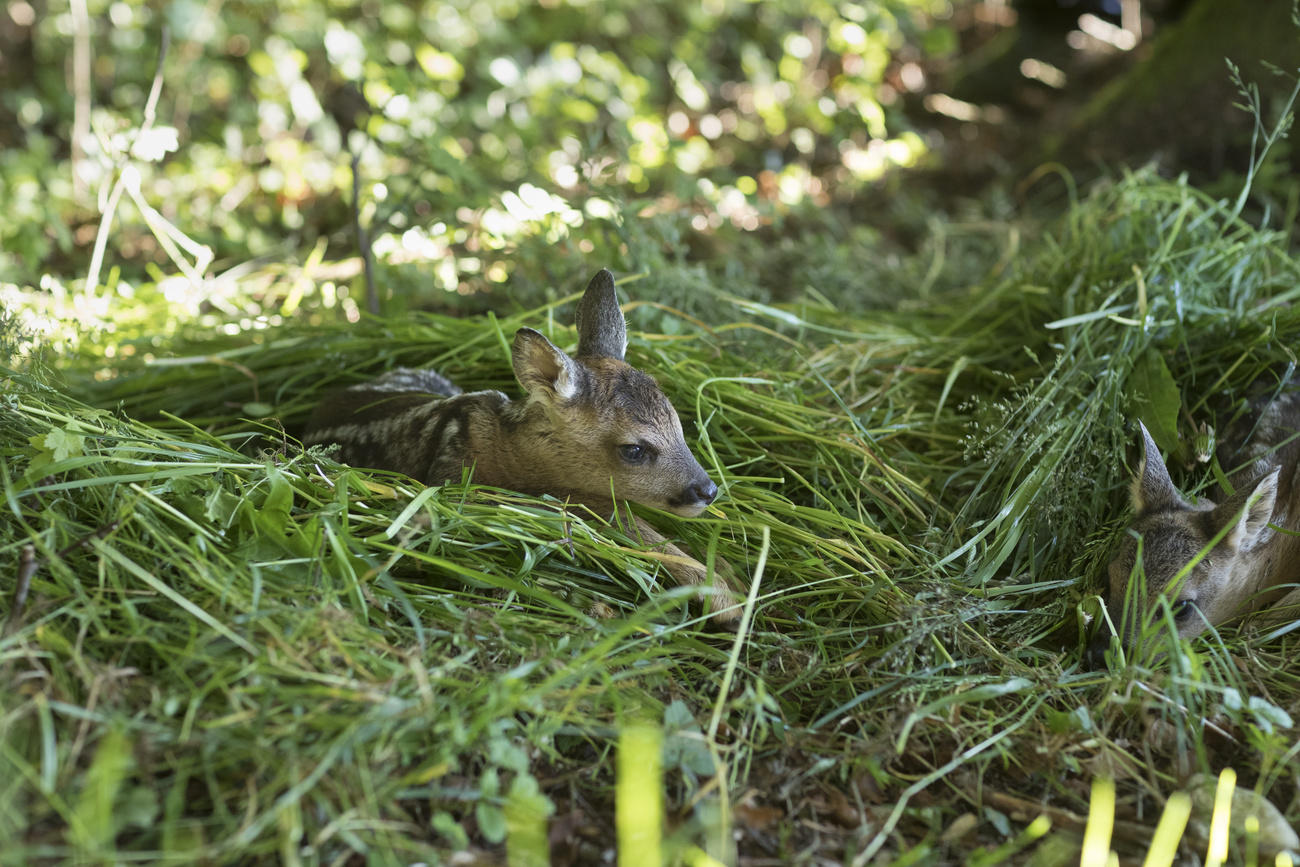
[(418, 434)]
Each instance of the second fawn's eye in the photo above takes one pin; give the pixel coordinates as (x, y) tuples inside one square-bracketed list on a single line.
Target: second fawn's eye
[(634, 453)]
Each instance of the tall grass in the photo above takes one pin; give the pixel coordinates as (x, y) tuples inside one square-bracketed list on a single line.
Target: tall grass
[(240, 651)]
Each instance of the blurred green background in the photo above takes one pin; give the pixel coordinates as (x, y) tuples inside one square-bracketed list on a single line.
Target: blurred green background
[(867, 151), (488, 133)]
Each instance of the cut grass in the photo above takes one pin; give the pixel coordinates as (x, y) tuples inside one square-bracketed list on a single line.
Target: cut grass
[(238, 651)]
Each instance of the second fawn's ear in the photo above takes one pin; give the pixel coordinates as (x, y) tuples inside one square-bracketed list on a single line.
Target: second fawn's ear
[(1153, 490), (602, 332), (542, 366), (1248, 512)]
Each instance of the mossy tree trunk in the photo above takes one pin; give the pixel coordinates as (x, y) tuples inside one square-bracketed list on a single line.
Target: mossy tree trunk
[(1179, 104)]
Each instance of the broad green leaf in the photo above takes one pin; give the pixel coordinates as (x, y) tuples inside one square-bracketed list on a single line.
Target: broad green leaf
[(279, 500), (64, 444), (220, 506), (526, 812), (58, 444), (491, 821), (446, 825), (96, 819), (1154, 399)]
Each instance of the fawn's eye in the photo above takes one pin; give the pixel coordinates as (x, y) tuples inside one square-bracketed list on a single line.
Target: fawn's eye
[(634, 453), (1183, 608)]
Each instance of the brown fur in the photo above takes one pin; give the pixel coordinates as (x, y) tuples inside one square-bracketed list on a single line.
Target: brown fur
[(592, 429), (1248, 567)]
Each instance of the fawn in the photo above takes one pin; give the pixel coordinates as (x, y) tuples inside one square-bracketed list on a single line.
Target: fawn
[(1235, 558), (592, 429)]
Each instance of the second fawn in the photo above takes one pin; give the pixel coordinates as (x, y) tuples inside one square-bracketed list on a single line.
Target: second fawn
[(1212, 562), (592, 429)]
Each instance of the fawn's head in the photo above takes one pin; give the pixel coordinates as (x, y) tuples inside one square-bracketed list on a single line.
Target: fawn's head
[(1223, 545), (605, 427)]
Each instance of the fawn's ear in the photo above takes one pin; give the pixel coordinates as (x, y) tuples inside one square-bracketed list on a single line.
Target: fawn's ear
[(1153, 490), (602, 333), (542, 368), (1248, 512)]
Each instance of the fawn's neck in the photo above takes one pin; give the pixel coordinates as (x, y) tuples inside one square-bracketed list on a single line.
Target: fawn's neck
[(508, 447)]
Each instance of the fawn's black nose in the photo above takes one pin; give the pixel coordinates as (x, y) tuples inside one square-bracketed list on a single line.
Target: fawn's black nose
[(702, 492)]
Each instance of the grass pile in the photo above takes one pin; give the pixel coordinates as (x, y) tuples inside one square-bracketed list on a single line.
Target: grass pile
[(238, 651)]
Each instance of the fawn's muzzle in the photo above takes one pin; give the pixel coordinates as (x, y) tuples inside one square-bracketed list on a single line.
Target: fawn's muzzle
[(695, 495), (704, 492)]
